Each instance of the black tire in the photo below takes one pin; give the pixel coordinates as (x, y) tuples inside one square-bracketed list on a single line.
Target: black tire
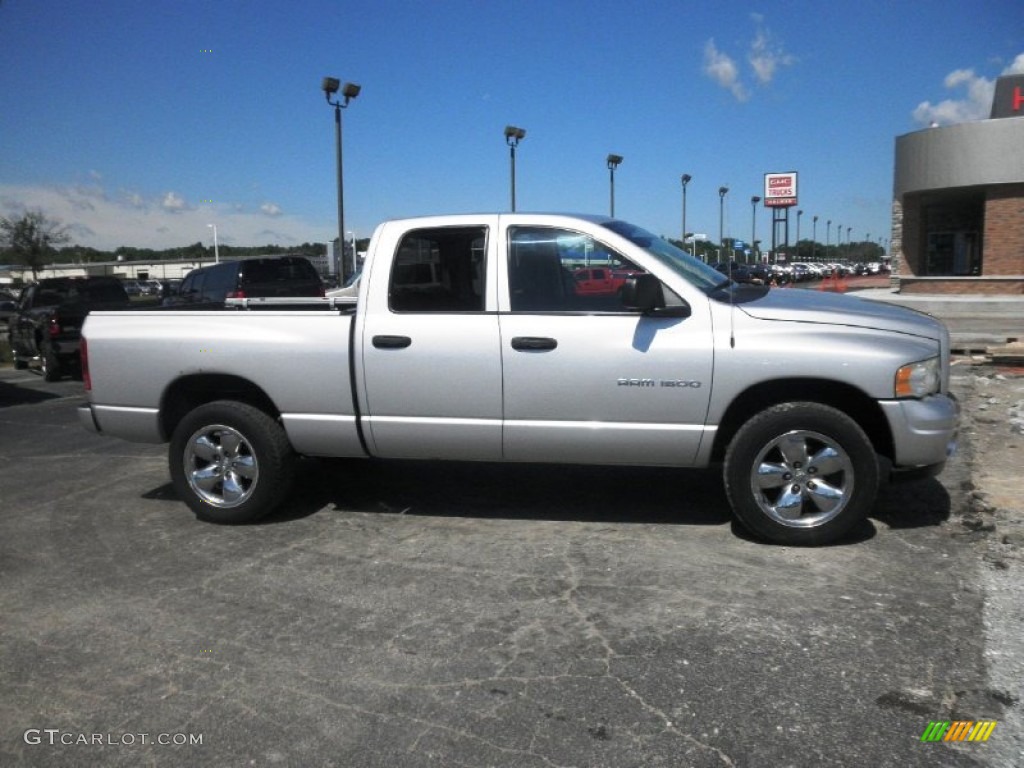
[(230, 462), (19, 363), (801, 474), (51, 365)]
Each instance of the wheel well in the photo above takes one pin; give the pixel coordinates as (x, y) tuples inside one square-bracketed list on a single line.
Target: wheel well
[(848, 399), (189, 392)]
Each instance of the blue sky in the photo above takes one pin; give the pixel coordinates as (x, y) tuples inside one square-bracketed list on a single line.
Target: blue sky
[(140, 122)]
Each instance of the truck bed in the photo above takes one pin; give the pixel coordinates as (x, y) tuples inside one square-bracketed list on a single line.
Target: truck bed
[(300, 357)]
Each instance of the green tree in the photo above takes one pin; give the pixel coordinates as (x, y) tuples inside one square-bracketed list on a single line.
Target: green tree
[(31, 240)]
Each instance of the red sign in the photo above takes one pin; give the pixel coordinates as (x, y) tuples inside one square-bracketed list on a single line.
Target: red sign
[(780, 189)]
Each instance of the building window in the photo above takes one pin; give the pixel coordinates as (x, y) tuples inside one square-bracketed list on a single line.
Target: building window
[(952, 237)]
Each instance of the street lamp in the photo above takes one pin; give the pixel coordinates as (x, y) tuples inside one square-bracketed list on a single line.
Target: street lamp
[(330, 86), (814, 239), (722, 192), (685, 178), (753, 224), (799, 213), (613, 163), (513, 136), (828, 235), (216, 249)]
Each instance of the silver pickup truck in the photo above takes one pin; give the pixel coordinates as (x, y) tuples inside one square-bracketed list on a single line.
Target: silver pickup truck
[(487, 338)]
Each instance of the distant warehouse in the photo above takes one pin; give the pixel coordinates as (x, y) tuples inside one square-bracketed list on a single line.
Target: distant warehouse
[(958, 202)]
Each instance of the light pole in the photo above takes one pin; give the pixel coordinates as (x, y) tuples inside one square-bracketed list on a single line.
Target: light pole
[(814, 238), (349, 91), (828, 235), (513, 136), (753, 225), (613, 163), (722, 192), (352, 239), (216, 249), (799, 213), (685, 178)]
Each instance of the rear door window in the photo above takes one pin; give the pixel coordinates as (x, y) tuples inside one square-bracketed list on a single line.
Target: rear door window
[(439, 270)]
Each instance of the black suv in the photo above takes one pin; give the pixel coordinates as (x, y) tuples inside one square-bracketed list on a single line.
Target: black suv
[(248, 278)]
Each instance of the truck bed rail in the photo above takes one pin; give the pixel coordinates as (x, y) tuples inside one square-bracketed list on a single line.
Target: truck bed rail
[(293, 302)]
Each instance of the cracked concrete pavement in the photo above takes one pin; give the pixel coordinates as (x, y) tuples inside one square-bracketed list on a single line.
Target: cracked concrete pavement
[(416, 614)]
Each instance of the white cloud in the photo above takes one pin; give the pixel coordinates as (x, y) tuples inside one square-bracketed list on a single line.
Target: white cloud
[(271, 209), (721, 68), (172, 202), (103, 221), (1017, 67), (976, 103), (765, 56)]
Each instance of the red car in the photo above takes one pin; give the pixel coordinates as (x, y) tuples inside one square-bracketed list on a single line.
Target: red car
[(601, 281)]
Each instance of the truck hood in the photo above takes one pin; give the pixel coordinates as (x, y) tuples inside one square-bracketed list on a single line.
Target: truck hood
[(807, 306)]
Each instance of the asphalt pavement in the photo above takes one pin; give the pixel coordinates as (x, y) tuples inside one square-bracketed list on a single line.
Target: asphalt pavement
[(422, 614)]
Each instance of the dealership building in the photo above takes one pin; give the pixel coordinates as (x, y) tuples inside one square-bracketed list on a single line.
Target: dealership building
[(958, 202)]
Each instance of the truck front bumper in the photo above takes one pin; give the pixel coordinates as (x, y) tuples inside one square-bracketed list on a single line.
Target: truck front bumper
[(924, 432)]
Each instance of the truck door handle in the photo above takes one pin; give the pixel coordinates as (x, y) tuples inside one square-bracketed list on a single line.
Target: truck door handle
[(391, 342), (533, 343)]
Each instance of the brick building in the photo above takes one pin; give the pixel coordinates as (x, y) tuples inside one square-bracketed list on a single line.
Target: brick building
[(958, 202)]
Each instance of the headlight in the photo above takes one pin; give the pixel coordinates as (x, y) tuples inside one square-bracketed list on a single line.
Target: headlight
[(918, 379)]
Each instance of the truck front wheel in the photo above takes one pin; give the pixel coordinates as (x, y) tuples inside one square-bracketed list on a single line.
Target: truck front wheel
[(801, 473), (230, 462)]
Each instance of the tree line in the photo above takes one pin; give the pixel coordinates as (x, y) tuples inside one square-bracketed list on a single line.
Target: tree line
[(34, 240)]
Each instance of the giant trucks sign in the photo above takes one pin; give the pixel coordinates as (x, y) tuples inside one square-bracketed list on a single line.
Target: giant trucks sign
[(780, 189)]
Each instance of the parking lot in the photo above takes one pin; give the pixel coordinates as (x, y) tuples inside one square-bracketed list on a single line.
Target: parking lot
[(417, 614)]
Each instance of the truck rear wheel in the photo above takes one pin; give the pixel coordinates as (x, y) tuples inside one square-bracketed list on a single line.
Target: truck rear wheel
[(230, 462), (50, 363), (801, 473)]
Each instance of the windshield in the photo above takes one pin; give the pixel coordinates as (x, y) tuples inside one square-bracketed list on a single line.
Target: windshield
[(683, 264)]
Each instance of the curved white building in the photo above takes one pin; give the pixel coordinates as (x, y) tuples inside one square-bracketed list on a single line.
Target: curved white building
[(958, 202)]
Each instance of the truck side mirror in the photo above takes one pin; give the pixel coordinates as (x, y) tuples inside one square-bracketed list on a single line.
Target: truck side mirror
[(645, 293)]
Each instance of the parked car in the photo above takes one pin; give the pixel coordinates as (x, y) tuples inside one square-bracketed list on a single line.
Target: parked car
[(760, 273), (738, 273), (247, 279), (48, 323), (8, 306), (169, 288)]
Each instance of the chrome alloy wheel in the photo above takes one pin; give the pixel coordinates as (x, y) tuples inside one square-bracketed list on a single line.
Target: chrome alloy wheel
[(802, 479), (220, 466)]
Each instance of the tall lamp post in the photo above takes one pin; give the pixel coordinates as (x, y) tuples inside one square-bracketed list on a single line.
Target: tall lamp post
[(753, 224), (513, 136), (330, 86), (722, 192), (814, 238), (799, 213), (828, 235), (613, 163), (216, 248), (685, 178)]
